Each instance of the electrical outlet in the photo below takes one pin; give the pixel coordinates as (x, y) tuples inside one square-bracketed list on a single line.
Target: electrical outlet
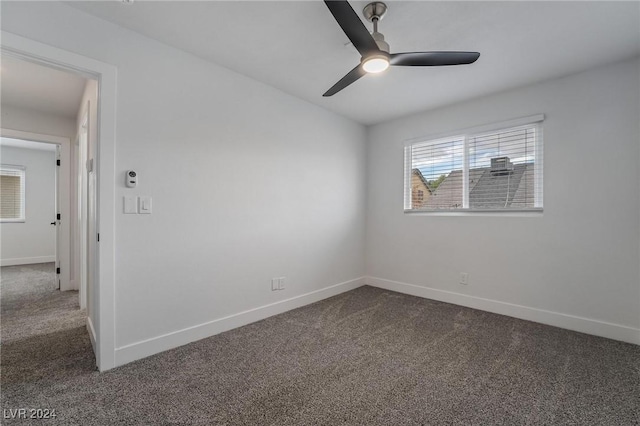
[(275, 284), (281, 283), (464, 278)]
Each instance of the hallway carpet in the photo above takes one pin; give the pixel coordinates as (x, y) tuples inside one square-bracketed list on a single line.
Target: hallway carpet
[(366, 357), (31, 304)]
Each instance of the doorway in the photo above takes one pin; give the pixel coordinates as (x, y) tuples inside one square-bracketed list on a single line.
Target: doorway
[(32, 303), (39, 98), (100, 266), (29, 178), (34, 300)]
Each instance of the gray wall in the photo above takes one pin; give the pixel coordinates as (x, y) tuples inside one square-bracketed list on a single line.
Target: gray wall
[(248, 183), (579, 259)]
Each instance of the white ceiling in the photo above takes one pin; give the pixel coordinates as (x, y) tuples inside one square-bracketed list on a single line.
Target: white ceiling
[(40, 88), (299, 48), (19, 143)]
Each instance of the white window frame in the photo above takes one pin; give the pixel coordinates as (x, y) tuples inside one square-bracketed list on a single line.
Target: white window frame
[(22, 172), (465, 135)]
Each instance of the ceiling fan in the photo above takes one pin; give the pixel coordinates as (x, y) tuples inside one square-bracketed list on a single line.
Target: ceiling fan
[(375, 51)]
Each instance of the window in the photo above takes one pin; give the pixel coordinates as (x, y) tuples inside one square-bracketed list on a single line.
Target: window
[(494, 168), (12, 193)]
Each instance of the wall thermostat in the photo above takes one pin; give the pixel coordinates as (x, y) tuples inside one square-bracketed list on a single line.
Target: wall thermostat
[(131, 179)]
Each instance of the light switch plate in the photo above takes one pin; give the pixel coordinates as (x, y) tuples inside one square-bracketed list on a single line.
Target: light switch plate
[(144, 204), (130, 204)]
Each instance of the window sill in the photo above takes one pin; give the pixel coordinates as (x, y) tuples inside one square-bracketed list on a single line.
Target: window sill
[(477, 213), (12, 220)]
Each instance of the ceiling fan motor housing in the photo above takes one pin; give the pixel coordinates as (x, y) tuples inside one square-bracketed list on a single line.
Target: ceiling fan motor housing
[(379, 39)]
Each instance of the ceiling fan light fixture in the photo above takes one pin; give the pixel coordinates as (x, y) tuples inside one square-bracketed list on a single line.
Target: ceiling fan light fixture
[(375, 64)]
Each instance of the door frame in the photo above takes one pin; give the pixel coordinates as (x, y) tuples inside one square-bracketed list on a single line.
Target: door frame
[(58, 219), (81, 205), (62, 192), (101, 322)]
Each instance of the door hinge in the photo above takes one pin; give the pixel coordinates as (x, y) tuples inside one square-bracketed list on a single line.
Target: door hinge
[(57, 162), (58, 216), (57, 270), (98, 237)]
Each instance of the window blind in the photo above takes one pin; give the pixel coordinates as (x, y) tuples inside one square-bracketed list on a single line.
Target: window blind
[(12, 193), (440, 165), (502, 169), (490, 171)]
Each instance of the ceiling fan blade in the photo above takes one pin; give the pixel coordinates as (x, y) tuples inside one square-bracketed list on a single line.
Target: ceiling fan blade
[(351, 77), (427, 59), (352, 26)]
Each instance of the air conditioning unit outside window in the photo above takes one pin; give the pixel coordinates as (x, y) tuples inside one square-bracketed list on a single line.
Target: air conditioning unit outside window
[(501, 165)]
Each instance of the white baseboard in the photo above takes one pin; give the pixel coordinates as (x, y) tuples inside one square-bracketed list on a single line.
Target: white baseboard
[(145, 348), (569, 322), (27, 260)]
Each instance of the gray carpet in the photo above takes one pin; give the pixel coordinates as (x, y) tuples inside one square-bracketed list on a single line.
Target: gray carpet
[(32, 305), (366, 357)]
